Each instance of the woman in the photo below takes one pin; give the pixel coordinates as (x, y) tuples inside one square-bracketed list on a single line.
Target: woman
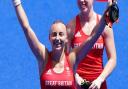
[(56, 67), (91, 67)]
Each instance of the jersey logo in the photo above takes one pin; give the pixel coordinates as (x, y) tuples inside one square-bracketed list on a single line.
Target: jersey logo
[(78, 34), (49, 71), (67, 68)]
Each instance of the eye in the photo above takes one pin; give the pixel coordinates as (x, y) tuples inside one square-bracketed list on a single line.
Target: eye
[(54, 34), (61, 34)]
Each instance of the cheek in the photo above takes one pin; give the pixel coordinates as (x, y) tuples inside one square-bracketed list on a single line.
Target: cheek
[(51, 39), (65, 39)]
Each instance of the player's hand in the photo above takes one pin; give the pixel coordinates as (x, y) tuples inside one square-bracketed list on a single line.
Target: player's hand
[(78, 79), (96, 84), (112, 13)]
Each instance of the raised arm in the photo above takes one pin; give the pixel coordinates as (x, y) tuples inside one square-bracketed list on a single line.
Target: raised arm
[(78, 53), (37, 48)]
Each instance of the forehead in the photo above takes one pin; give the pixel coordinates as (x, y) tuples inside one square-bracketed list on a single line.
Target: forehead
[(58, 27)]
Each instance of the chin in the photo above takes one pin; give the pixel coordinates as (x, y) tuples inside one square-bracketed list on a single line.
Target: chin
[(84, 11), (58, 48)]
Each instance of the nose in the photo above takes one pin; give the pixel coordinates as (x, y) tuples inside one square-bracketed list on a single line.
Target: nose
[(83, 1), (57, 39), (57, 36)]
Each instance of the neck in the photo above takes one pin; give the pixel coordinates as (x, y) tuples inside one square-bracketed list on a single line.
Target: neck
[(87, 17), (58, 55)]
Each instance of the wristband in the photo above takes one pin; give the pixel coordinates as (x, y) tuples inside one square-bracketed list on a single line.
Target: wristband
[(16, 2)]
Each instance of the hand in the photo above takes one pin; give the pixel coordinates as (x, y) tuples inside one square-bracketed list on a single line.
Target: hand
[(96, 84), (78, 79), (112, 13)]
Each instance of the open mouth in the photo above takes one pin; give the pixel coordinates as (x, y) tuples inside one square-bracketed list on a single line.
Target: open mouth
[(57, 43), (84, 4)]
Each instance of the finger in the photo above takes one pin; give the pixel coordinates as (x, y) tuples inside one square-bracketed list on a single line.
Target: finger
[(92, 86)]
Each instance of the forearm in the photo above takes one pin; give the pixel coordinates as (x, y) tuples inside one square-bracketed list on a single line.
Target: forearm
[(32, 40), (22, 16), (97, 31), (31, 37), (107, 70), (110, 51), (109, 67), (87, 44)]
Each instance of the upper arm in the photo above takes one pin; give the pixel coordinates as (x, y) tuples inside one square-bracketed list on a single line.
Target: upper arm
[(39, 50), (72, 58), (71, 29), (76, 55), (70, 32), (109, 43), (80, 52)]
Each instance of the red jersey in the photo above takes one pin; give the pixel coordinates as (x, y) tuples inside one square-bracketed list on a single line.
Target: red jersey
[(92, 65), (52, 80)]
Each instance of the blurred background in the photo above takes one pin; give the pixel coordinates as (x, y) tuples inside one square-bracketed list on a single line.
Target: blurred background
[(18, 66)]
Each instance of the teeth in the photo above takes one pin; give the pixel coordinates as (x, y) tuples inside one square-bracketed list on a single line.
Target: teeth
[(57, 43)]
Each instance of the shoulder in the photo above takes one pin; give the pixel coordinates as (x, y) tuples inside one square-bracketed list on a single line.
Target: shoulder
[(71, 24), (108, 32), (42, 63), (71, 27)]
